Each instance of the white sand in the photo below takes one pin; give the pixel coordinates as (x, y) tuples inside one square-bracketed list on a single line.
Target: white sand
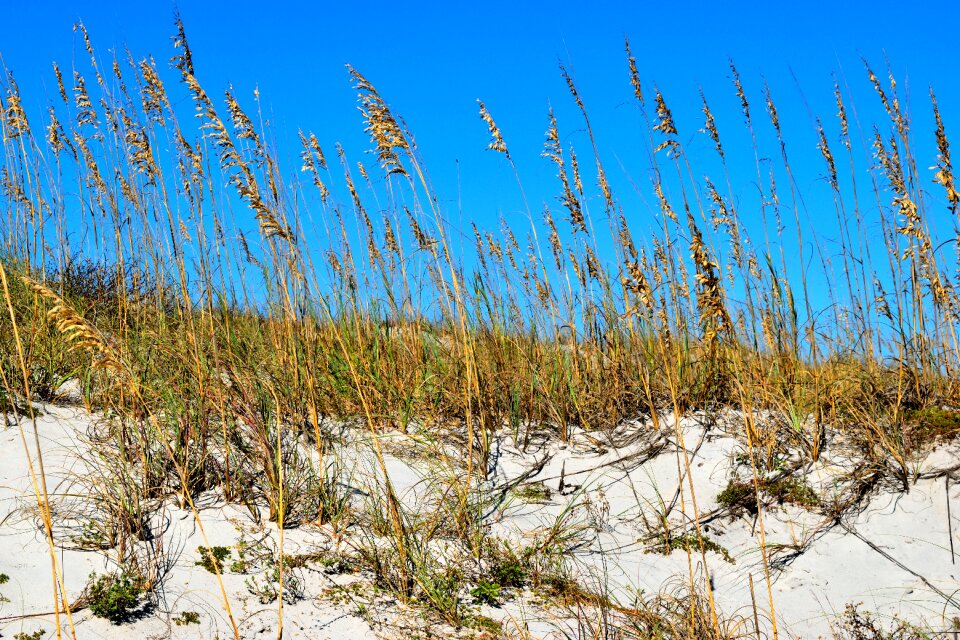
[(25, 559), (610, 491)]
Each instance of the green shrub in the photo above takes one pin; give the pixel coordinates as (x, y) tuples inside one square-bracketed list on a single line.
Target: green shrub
[(113, 596), (484, 624)]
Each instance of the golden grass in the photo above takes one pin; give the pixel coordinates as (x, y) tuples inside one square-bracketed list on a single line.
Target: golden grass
[(382, 323)]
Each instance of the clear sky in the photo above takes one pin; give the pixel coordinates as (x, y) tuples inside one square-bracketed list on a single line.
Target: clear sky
[(432, 60)]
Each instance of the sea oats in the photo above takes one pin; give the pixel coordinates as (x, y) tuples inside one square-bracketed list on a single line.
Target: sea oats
[(575, 170), (714, 320), (665, 207), (944, 175), (497, 143), (634, 74), (478, 246), (554, 237), (138, 149), (15, 116), (86, 115), (390, 239), (313, 161), (554, 152), (242, 125), (60, 86), (153, 94), (81, 334), (827, 157), (842, 116), (424, 241), (183, 60), (665, 125), (382, 127), (710, 126), (56, 137), (738, 85)]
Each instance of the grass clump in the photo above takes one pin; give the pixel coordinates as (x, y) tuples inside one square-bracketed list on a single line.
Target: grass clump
[(331, 563), (560, 587), (10, 404), (93, 534), (114, 596), (791, 490), (440, 589)]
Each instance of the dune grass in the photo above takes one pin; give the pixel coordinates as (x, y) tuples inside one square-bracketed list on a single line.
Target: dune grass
[(219, 352)]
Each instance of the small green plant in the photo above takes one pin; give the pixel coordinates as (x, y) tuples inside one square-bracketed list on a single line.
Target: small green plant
[(187, 618), (690, 542), (561, 588), (739, 495), (533, 492), (484, 624), (212, 558), (931, 424), (331, 563), (267, 587), (113, 596), (92, 536), (486, 592), (857, 625), (791, 490), (509, 574), (242, 563), (441, 591), (36, 635)]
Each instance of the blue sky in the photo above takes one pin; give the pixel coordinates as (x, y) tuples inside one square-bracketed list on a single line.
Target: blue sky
[(431, 61)]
